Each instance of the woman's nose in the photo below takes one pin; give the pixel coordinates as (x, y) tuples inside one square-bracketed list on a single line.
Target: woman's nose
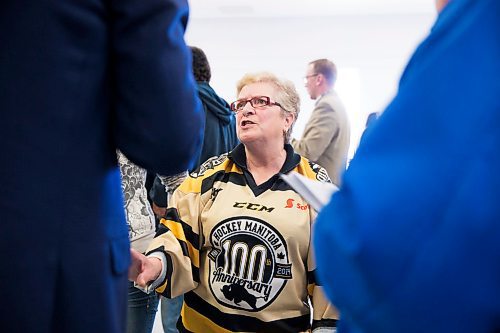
[(248, 109)]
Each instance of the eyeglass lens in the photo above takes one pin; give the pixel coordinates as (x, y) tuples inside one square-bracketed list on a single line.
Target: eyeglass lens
[(254, 102)]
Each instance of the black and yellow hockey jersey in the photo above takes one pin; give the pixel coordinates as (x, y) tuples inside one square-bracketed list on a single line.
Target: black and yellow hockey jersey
[(242, 253)]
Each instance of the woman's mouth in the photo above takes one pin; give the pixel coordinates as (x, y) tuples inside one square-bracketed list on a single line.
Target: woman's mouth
[(245, 123)]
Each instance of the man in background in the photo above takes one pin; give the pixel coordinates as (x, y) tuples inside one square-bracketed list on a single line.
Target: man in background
[(79, 80), (411, 242), (326, 137)]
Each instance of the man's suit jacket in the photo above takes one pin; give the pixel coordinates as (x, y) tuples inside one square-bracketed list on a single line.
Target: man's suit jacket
[(78, 80), (326, 137)]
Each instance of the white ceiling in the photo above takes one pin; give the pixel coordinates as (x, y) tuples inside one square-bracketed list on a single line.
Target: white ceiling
[(300, 8)]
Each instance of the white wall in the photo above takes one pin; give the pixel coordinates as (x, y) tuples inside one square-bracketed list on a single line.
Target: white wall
[(369, 51)]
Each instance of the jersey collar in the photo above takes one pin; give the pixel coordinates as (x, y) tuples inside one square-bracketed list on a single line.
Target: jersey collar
[(238, 156)]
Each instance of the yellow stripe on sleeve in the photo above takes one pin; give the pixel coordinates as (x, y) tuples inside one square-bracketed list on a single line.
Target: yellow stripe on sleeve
[(176, 229)]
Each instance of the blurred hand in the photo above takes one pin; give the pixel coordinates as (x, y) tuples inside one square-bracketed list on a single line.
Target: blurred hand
[(159, 211), (143, 270)]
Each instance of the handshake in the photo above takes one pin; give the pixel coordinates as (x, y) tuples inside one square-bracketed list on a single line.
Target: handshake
[(145, 271)]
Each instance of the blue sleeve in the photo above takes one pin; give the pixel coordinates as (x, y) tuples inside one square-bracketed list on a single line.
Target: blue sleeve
[(411, 241), (159, 120)]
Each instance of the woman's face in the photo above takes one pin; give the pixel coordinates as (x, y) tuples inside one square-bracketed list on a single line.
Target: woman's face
[(261, 124)]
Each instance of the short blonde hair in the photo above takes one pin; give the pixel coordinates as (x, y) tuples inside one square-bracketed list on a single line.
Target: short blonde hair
[(287, 94)]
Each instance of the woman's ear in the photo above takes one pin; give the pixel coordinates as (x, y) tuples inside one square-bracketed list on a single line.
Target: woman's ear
[(289, 120)]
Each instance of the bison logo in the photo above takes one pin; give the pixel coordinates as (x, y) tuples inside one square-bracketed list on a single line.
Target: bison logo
[(236, 293)]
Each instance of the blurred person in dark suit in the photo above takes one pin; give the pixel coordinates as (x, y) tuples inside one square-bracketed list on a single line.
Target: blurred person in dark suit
[(78, 80)]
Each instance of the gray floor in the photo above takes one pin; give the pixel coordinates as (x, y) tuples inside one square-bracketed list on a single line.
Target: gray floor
[(157, 327)]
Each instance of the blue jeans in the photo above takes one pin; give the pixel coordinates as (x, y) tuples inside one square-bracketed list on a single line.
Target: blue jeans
[(141, 310), (170, 312)]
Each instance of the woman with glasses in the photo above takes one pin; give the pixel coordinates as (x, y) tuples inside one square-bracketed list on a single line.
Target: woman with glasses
[(237, 239)]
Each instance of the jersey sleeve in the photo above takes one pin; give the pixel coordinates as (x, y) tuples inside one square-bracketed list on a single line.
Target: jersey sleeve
[(178, 238)]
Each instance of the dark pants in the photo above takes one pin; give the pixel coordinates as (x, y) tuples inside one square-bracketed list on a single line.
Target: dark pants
[(141, 310)]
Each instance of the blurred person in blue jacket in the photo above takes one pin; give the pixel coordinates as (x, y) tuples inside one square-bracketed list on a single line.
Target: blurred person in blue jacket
[(220, 125), (411, 243), (79, 80)]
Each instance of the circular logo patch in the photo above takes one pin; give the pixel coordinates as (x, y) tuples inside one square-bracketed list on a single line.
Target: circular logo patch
[(248, 263)]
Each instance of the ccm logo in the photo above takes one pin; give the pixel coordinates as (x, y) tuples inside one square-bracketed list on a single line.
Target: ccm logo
[(290, 204)]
